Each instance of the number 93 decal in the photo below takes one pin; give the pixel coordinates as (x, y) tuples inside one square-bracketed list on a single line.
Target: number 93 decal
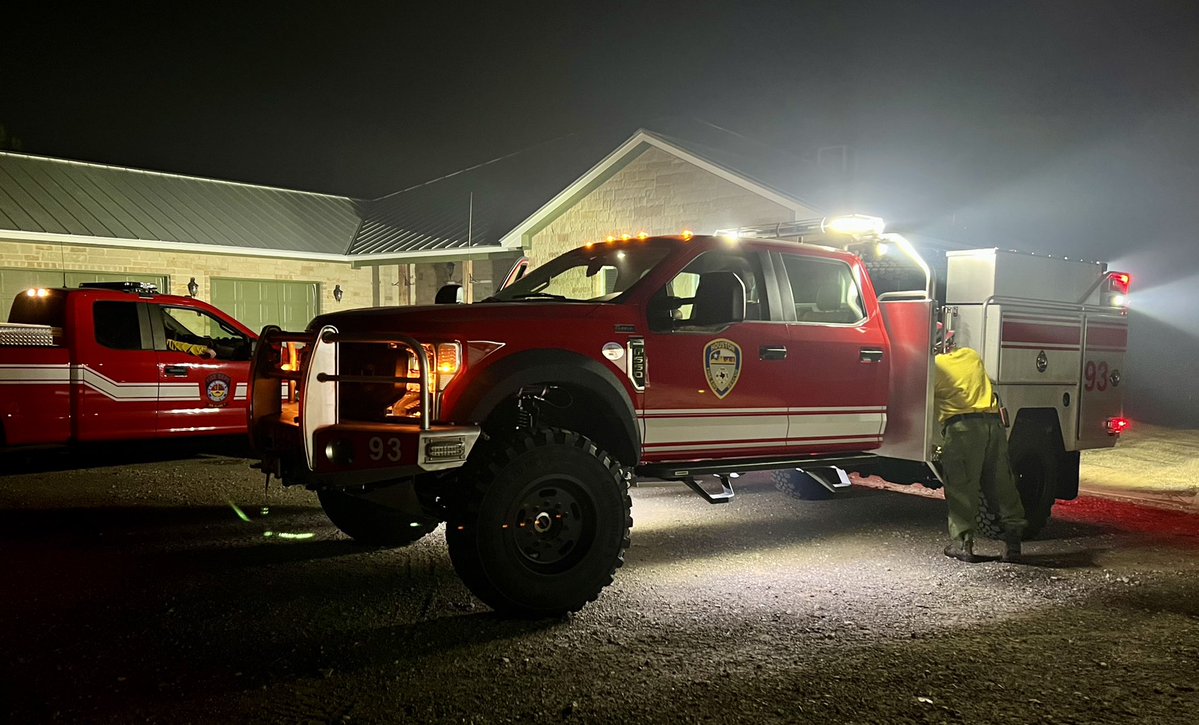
[(381, 448), (1095, 376)]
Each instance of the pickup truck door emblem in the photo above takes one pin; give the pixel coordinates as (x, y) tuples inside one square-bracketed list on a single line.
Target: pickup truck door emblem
[(722, 365), (217, 389)]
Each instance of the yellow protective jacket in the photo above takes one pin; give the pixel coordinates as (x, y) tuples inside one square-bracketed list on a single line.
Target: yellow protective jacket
[(961, 385), (187, 347)]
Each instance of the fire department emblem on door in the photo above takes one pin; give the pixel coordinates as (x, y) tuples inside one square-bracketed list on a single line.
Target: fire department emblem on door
[(217, 388), (722, 366)]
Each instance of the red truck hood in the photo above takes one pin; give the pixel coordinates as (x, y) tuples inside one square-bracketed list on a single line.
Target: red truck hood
[(489, 319)]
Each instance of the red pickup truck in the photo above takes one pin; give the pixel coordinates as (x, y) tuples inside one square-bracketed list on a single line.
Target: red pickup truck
[(117, 361), (805, 349)]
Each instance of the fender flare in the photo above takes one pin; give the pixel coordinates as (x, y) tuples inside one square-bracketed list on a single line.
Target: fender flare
[(493, 384)]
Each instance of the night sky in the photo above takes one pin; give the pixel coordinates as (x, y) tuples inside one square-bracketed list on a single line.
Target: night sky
[(1067, 127)]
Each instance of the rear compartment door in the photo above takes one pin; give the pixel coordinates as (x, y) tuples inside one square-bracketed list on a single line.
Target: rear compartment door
[(1101, 391)]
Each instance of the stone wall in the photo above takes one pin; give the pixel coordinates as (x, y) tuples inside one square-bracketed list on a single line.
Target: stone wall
[(657, 193)]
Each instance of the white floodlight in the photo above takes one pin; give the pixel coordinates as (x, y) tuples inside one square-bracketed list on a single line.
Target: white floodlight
[(853, 224)]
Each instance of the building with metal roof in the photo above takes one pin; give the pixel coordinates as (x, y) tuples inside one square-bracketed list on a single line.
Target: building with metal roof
[(279, 256)]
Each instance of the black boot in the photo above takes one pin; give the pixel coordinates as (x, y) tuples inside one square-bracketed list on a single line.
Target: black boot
[(962, 551), (1011, 545)]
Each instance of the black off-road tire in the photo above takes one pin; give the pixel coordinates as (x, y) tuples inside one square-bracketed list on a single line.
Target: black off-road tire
[(799, 485), (1035, 468), (367, 522), (542, 524)]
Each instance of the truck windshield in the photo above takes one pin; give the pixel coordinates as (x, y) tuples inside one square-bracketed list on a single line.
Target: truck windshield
[(597, 274)]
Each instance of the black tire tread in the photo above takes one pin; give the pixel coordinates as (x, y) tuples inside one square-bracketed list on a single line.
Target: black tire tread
[(480, 470)]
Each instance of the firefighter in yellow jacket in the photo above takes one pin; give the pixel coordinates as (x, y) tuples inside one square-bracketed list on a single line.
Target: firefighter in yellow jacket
[(974, 455)]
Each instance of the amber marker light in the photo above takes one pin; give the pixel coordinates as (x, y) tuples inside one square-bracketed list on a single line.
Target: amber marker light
[(687, 235), (642, 236), (448, 358)]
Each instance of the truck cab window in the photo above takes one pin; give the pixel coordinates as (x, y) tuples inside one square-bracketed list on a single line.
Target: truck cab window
[(196, 332), (673, 304), (117, 325), (823, 290)]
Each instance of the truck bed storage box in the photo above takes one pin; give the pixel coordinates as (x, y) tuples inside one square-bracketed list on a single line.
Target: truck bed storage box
[(16, 335), (977, 275)]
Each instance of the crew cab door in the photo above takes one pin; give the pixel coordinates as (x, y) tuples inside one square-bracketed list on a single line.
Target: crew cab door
[(838, 385), (198, 392), (714, 390), (114, 372)]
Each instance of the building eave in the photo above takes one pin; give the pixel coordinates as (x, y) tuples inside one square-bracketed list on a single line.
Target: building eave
[(165, 246)]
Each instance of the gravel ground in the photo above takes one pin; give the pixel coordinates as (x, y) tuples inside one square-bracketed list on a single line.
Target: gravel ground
[(133, 591)]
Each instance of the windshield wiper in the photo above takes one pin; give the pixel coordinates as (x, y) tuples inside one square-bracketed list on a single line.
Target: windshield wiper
[(539, 296)]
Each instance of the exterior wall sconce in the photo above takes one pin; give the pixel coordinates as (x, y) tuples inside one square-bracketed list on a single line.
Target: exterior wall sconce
[(338, 293), (193, 289)]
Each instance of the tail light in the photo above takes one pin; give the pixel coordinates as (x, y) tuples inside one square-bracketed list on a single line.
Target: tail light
[(1116, 426), (1116, 289)]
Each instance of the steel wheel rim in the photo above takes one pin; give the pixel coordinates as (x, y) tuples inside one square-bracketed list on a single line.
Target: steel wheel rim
[(551, 524)]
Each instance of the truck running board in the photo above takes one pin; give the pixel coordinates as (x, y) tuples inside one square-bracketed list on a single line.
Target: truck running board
[(724, 496), (831, 477), (681, 471)]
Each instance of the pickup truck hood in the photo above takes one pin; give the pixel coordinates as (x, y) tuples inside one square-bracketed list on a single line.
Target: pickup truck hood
[(465, 321)]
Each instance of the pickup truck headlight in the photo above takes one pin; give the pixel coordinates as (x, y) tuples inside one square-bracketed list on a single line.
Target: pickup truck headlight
[(444, 362), (449, 359)]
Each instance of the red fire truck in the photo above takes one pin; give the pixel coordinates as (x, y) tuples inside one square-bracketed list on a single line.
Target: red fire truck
[(117, 361), (521, 421)]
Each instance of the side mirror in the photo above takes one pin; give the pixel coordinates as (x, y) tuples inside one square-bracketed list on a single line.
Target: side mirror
[(450, 294), (519, 269)]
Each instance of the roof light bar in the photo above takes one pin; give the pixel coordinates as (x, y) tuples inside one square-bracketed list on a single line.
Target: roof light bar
[(853, 225)]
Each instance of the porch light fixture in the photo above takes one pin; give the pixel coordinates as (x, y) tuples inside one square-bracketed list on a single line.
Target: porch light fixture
[(193, 288), (337, 292)]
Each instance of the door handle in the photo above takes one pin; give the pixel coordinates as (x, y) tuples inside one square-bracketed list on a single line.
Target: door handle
[(175, 371), (766, 352), (870, 355)]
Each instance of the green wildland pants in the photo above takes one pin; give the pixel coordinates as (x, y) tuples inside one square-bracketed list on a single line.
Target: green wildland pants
[(975, 462)]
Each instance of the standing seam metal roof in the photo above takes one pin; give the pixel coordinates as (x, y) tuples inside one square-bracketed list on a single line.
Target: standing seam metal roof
[(465, 210), (55, 196)]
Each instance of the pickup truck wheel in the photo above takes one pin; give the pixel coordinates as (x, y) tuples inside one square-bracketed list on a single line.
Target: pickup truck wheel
[(797, 484), (370, 523), (1036, 473), (543, 524)]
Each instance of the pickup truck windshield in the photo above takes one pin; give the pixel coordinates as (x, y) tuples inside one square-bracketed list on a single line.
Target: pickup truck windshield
[(596, 274)]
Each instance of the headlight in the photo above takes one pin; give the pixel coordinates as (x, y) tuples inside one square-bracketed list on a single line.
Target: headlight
[(444, 362), (449, 358)]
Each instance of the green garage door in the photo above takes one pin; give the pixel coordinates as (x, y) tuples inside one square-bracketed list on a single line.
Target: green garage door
[(14, 281), (257, 302)]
